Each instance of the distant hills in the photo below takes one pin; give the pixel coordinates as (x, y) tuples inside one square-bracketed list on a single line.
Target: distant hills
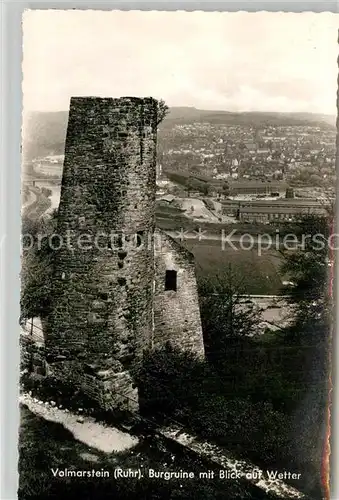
[(45, 132), (254, 118)]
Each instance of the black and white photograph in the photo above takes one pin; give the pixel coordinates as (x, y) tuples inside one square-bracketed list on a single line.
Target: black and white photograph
[(177, 253)]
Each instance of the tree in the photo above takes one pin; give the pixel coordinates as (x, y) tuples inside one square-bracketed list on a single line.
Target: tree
[(308, 266), (163, 111), (226, 189), (204, 188), (189, 186), (194, 184), (37, 266), (289, 192), (226, 315), (309, 336)]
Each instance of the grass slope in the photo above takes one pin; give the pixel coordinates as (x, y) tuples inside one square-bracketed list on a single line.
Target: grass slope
[(259, 275)]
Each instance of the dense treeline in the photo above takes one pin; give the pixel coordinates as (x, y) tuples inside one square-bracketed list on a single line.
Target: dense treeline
[(37, 266)]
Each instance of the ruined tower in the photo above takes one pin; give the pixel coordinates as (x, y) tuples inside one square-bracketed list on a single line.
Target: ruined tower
[(103, 287), (176, 302)]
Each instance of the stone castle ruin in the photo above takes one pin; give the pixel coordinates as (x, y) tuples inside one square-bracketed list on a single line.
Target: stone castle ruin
[(120, 285)]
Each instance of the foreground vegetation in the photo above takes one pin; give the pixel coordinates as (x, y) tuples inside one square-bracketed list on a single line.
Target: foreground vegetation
[(262, 399), (45, 445)]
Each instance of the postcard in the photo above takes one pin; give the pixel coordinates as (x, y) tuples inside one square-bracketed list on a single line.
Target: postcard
[(178, 173)]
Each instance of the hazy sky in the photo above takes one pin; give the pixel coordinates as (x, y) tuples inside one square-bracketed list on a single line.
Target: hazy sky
[(231, 61)]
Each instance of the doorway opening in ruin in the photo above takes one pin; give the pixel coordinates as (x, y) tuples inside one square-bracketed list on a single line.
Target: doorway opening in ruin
[(171, 280)]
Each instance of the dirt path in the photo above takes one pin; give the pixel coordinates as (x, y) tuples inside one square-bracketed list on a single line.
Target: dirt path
[(265, 480), (84, 429)]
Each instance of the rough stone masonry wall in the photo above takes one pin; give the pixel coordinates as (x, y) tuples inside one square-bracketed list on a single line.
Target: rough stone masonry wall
[(111, 389), (32, 355), (103, 288), (176, 313)]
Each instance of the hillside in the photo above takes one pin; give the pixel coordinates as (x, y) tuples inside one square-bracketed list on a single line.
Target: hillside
[(254, 118), (45, 132)]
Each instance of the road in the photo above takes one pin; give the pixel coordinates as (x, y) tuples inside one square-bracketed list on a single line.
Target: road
[(246, 240)]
